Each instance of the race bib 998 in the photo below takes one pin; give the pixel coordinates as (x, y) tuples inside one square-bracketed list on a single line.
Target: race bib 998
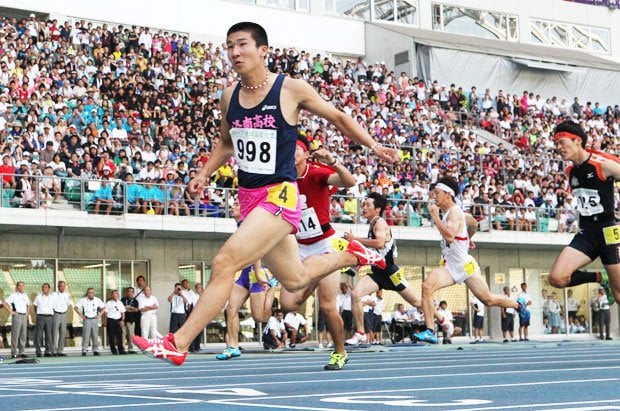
[(255, 149)]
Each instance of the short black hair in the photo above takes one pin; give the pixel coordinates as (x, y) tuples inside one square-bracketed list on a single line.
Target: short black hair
[(257, 32), (380, 201), (570, 126), (304, 140), (450, 182)]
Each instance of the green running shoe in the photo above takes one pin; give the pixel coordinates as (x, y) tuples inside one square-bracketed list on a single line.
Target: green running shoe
[(337, 361), (605, 284)]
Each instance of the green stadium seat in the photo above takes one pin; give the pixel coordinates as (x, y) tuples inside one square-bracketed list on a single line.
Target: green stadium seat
[(543, 224), (415, 220), (7, 198)]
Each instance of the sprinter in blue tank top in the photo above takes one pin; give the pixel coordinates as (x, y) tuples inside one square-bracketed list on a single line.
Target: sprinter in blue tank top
[(259, 115)]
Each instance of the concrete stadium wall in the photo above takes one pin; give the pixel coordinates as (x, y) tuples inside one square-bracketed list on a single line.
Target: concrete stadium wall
[(165, 254), (555, 10), (209, 20)]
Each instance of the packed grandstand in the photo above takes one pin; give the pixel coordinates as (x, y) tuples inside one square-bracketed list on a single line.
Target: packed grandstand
[(127, 114)]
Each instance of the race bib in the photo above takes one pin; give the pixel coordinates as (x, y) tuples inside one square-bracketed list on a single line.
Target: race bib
[(397, 279), (339, 244), (255, 149), (612, 234), (471, 267), (283, 195), (588, 202), (254, 278), (309, 226)]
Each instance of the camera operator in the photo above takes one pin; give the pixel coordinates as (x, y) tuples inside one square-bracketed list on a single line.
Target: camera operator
[(178, 302)]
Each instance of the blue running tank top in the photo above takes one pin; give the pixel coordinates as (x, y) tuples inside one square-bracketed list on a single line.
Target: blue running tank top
[(263, 141)]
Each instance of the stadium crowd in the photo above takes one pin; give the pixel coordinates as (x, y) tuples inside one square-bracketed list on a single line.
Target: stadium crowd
[(124, 103)]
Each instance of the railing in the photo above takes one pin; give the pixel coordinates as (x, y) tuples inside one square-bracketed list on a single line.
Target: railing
[(173, 199), (50, 191), (414, 213)]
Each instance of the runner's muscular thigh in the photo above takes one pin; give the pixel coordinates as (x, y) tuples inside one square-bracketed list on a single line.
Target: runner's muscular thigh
[(260, 232)]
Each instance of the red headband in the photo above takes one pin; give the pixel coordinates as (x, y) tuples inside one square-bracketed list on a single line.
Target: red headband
[(566, 134), (302, 145)]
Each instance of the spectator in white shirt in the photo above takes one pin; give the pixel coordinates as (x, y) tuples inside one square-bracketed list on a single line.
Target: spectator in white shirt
[(148, 306), (524, 325), (508, 319), (343, 304), (119, 131), (44, 304), (378, 317), (294, 323), (478, 322), (368, 303), (90, 309), (274, 336), (572, 305), (448, 328), (115, 321)]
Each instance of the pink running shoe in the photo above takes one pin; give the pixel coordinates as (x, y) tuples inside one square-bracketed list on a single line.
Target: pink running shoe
[(163, 349), (365, 256)]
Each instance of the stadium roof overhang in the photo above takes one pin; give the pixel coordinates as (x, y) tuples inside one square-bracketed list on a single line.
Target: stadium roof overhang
[(541, 57)]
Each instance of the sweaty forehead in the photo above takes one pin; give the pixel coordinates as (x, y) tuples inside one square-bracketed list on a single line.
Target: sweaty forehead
[(239, 36)]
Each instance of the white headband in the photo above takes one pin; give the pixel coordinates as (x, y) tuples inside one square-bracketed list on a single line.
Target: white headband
[(445, 188)]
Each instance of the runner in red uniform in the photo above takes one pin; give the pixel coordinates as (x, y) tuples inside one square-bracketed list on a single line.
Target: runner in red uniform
[(314, 236)]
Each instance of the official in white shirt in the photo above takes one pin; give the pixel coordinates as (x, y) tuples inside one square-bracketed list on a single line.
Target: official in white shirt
[(343, 304), (195, 346), (378, 317), (400, 324), (44, 304), (18, 304), (115, 319), (508, 319), (293, 322), (478, 322), (138, 294), (179, 302), (368, 303), (90, 309), (148, 306), (274, 336), (61, 300), (448, 327), (524, 325)]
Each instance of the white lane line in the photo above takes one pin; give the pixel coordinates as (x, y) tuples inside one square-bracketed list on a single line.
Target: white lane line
[(387, 378), (163, 400), (286, 407), (243, 403), (138, 405), (353, 368), (454, 388), (197, 361), (29, 394), (551, 404), (316, 370)]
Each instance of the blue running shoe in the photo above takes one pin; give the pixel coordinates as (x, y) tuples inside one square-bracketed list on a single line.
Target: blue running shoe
[(273, 282), (426, 336), (229, 353)]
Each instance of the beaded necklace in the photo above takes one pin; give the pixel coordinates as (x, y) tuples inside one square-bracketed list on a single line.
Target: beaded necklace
[(245, 86)]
